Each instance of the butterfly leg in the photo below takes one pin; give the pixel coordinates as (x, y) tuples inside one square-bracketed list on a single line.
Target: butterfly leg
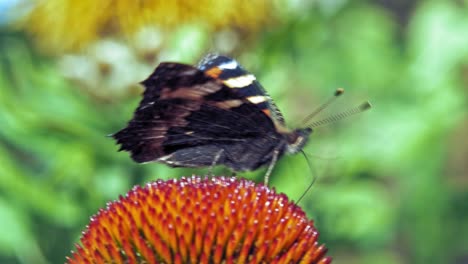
[(215, 160), (271, 166)]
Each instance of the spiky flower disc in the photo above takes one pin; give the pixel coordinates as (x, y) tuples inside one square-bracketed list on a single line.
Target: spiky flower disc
[(201, 220)]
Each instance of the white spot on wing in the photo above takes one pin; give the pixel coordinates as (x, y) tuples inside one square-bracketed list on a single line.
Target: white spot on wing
[(240, 82), (228, 65), (257, 99)]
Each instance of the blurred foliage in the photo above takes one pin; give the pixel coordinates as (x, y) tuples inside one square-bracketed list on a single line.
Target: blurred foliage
[(392, 183)]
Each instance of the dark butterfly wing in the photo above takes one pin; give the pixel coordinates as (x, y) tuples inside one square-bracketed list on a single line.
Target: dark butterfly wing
[(229, 70), (187, 116)]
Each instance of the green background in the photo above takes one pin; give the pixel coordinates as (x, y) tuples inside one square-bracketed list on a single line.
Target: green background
[(392, 182)]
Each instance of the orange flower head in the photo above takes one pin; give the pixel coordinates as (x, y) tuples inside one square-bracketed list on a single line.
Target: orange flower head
[(201, 220)]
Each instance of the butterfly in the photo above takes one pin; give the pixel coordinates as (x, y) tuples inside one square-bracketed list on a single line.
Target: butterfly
[(215, 113)]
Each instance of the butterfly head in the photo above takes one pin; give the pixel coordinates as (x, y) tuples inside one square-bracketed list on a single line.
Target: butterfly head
[(297, 140)]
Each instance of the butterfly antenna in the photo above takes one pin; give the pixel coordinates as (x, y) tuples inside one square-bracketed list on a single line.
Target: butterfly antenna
[(319, 109), (331, 119)]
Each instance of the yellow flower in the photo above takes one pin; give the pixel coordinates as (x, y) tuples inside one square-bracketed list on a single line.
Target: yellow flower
[(65, 25), (201, 220)]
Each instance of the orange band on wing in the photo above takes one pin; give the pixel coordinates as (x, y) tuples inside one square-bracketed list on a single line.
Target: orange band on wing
[(214, 72), (267, 112)]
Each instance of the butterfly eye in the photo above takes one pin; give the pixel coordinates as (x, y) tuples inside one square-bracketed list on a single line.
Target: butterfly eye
[(292, 137), (296, 140)]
